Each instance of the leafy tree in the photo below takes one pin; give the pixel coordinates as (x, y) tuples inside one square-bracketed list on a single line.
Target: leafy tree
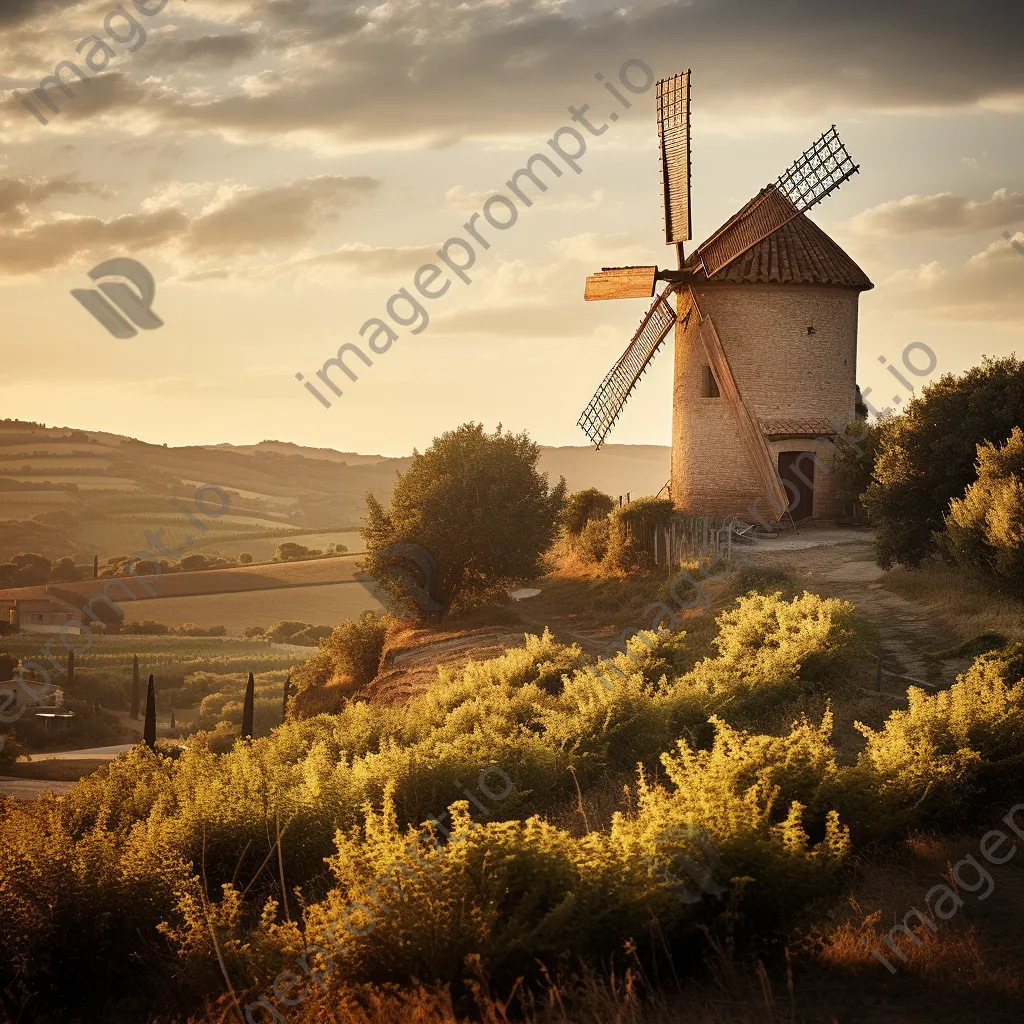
[(64, 571), (985, 528), (926, 456), (149, 728), (245, 558), (292, 552), (584, 507), (856, 451), (247, 708), (32, 569), (8, 664), (477, 510)]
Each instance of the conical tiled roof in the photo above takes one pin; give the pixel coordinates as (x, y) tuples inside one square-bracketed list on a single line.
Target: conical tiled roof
[(798, 253)]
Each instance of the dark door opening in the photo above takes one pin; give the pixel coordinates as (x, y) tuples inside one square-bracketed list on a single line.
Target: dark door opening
[(796, 470)]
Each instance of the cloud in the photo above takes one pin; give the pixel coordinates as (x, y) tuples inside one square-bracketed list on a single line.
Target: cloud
[(430, 70), (71, 239), (626, 248), (206, 51), (519, 300), (248, 218), (353, 260), (943, 213), (989, 287), (237, 221), (461, 198), (16, 195)]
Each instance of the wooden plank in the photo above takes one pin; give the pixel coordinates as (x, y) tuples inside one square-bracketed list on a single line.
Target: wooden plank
[(621, 283), (749, 431)]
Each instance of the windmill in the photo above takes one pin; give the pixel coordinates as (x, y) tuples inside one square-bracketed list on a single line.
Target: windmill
[(769, 243)]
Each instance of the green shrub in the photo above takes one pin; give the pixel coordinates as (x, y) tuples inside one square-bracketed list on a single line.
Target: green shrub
[(856, 451), (951, 754), (926, 456), (357, 645), (632, 529), (503, 894), (770, 650), (114, 870), (290, 551), (584, 507), (593, 540), (10, 749), (758, 798), (985, 528)]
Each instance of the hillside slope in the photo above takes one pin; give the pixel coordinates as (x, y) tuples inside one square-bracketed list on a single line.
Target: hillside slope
[(65, 491)]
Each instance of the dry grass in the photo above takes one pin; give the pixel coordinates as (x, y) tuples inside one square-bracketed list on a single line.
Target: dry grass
[(733, 996), (961, 603)]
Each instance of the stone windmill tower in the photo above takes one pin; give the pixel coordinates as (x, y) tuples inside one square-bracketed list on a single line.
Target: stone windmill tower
[(766, 336)]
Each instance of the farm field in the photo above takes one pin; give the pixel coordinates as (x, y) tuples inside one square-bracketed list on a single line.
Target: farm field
[(264, 547), (324, 605), (122, 535), (272, 576)]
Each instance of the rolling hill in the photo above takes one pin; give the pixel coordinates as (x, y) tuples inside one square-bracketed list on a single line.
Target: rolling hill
[(67, 491)]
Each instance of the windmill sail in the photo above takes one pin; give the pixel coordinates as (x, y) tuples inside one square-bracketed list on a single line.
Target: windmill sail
[(770, 212), (815, 175), (600, 415), (819, 172), (674, 141), (621, 283)]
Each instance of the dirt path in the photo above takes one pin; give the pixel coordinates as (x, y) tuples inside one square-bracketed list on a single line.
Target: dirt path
[(837, 562)]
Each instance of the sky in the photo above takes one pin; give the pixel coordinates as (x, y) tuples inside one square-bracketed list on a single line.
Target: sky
[(283, 168)]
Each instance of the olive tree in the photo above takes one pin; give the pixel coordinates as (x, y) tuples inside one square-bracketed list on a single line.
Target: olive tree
[(471, 514)]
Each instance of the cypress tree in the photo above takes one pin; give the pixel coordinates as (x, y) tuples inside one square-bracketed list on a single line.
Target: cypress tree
[(135, 688), (250, 689), (95, 566), (284, 700), (149, 731), (172, 717), (71, 669)]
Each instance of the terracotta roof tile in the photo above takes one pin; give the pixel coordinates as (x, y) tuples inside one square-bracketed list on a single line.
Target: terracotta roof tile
[(798, 253)]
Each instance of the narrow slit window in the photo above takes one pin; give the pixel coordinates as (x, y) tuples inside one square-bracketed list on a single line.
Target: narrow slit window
[(708, 384)]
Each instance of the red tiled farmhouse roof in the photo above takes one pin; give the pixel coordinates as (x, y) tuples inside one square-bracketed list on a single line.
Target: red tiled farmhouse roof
[(798, 253)]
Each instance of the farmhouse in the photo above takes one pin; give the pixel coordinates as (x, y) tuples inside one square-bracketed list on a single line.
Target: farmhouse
[(40, 615)]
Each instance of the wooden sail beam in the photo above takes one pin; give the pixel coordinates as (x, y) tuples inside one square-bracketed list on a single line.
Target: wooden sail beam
[(750, 432)]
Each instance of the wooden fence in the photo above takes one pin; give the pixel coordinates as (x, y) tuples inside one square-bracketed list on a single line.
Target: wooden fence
[(695, 537)]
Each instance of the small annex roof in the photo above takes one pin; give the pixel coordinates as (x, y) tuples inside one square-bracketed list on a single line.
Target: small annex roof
[(797, 253), (781, 428)]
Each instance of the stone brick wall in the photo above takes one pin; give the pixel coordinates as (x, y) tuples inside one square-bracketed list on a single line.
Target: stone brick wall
[(781, 371)]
